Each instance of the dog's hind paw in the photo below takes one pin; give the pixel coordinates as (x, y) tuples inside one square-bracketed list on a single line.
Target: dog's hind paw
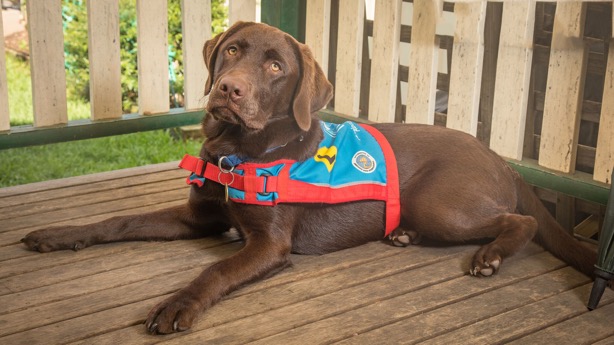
[(402, 238), (485, 269)]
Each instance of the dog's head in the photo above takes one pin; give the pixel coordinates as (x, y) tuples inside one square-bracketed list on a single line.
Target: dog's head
[(257, 72)]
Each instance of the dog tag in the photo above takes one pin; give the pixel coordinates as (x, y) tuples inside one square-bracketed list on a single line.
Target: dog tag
[(226, 192)]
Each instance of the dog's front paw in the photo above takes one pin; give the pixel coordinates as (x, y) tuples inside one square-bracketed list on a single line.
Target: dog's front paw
[(402, 238), (175, 314), (47, 240)]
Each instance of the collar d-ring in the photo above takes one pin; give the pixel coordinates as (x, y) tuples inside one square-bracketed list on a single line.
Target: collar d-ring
[(222, 169)]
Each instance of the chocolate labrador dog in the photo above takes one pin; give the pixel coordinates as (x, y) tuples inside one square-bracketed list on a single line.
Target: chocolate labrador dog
[(265, 90)]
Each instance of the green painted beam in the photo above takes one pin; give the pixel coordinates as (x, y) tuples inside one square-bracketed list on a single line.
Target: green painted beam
[(21, 136), (579, 184)]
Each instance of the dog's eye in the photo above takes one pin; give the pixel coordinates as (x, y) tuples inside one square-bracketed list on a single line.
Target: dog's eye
[(232, 50), (275, 67)]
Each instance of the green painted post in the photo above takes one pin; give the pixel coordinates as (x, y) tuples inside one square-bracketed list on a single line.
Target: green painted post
[(287, 15)]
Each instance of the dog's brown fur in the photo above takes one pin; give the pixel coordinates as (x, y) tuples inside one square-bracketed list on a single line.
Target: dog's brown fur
[(264, 91)]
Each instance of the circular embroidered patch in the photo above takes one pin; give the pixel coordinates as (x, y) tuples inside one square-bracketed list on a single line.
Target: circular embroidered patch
[(363, 162)]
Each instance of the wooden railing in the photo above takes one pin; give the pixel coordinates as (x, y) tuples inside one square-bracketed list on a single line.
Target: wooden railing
[(368, 77), (46, 47)]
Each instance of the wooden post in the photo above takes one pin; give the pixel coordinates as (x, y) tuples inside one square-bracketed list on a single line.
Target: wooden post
[(385, 60), (466, 73), (423, 62), (196, 29), (47, 63), (317, 32), (349, 57), (244, 10), (105, 63), (513, 77), (152, 19), (5, 124), (604, 157), (566, 72)]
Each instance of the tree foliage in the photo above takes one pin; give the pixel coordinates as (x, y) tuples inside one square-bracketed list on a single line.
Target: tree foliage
[(76, 53)]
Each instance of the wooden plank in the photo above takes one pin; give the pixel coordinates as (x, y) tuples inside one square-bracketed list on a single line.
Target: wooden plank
[(604, 156), (93, 187), (125, 315), (21, 226), (345, 322), (317, 31), (15, 250), (104, 56), (605, 341), (93, 198), (385, 61), (349, 57), (525, 320), (491, 303), (587, 328), (85, 179), (192, 257), (4, 90), (466, 69), (512, 81), (196, 29), (297, 310), (244, 10), (152, 26), (309, 271), (47, 63), (423, 62), (566, 72), (317, 318), (79, 268)]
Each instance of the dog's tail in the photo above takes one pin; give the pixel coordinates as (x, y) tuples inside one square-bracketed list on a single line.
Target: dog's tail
[(552, 236)]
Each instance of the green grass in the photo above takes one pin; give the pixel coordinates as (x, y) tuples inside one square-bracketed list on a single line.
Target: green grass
[(41, 163), (20, 95), (46, 162)]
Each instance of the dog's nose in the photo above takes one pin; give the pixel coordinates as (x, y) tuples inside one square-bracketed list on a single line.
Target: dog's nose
[(233, 88)]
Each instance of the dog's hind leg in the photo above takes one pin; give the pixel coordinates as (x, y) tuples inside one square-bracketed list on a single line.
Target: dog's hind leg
[(514, 230)]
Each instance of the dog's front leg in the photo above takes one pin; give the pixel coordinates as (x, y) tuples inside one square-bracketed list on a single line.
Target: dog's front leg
[(181, 222), (263, 253)]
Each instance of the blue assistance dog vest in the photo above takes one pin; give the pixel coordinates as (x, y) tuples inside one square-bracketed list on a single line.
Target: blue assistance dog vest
[(353, 162)]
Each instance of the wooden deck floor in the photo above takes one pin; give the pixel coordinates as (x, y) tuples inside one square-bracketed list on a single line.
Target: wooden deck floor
[(374, 294)]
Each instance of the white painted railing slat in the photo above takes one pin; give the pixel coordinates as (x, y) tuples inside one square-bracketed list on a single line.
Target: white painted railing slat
[(562, 106), (423, 62), (385, 61), (196, 29), (4, 90), (604, 157), (104, 56), (241, 10), (466, 69), (317, 30), (349, 57), (512, 79), (152, 26), (47, 63)]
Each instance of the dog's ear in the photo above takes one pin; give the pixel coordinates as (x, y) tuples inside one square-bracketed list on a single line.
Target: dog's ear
[(211, 48), (313, 91)]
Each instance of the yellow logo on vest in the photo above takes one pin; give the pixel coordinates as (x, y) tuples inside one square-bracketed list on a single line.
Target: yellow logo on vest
[(327, 155)]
